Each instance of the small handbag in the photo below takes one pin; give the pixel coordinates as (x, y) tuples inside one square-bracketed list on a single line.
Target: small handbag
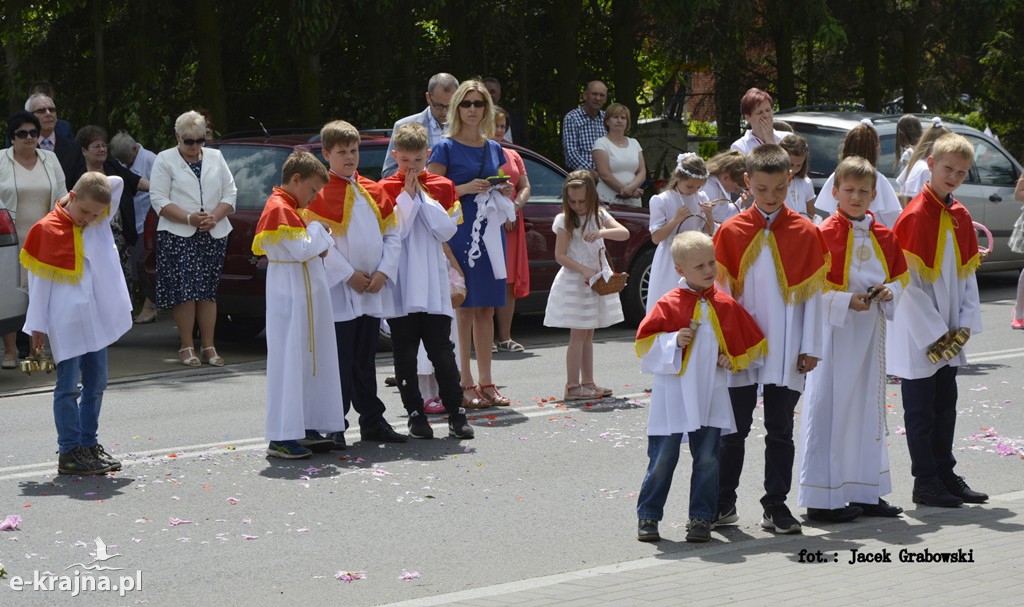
[(613, 285), (1017, 235)]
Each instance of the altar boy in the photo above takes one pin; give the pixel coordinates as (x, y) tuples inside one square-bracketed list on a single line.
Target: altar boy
[(941, 246), (774, 261), (303, 388)]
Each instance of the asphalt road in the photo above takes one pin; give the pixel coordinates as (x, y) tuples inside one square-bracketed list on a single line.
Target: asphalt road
[(205, 518)]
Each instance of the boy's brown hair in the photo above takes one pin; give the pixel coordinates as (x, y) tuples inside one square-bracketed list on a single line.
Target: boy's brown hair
[(797, 146), (93, 186), (411, 137), (953, 143), (768, 158), (855, 167), (303, 164), (337, 132)]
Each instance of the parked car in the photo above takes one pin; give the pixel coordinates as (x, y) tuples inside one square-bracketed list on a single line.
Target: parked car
[(256, 164), (13, 299), (987, 192)]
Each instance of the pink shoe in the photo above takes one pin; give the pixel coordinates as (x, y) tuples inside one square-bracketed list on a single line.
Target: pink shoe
[(433, 406), (1015, 322)]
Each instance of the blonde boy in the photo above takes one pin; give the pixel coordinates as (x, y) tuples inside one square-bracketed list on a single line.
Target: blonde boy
[(941, 246)]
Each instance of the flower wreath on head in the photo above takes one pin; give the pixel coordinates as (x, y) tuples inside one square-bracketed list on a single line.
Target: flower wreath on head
[(867, 122), (937, 122), (679, 167)]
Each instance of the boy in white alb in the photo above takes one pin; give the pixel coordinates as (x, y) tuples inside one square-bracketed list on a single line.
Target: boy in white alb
[(428, 212), (303, 387), (364, 259), (940, 303), (691, 336), (78, 298), (843, 436), (774, 262)]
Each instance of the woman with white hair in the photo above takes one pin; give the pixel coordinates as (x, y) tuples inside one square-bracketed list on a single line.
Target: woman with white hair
[(193, 192)]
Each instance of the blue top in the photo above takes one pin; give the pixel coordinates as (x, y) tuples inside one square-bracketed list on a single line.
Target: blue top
[(465, 163)]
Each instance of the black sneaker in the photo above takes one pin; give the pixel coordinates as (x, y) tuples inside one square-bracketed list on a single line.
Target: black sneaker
[(316, 442), (103, 457), (419, 427), (934, 493), (381, 432), (338, 438), (778, 518), (958, 487), (288, 449), (698, 530), (647, 530), (834, 515), (458, 425), (80, 461), (726, 515)]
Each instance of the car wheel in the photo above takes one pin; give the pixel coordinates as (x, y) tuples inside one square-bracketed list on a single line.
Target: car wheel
[(239, 328), (634, 296)]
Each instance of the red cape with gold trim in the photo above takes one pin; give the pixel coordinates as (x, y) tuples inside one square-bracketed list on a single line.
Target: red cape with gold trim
[(923, 225), (798, 250), (439, 188), (838, 233), (738, 335), (280, 219), (333, 205), (53, 248)]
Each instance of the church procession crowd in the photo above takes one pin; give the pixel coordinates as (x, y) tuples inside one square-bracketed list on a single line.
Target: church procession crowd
[(751, 296)]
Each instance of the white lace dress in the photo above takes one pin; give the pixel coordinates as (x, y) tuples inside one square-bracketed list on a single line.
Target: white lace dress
[(571, 303)]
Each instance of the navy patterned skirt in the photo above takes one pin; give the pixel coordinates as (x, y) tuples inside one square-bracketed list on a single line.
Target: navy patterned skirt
[(188, 269)]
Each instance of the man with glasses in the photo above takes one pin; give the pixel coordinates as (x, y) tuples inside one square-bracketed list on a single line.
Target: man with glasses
[(69, 153), (440, 89)]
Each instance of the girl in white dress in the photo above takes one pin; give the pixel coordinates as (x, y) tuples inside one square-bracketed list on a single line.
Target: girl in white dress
[(677, 209), (862, 141), (580, 230), (912, 179), (725, 180), (800, 197)]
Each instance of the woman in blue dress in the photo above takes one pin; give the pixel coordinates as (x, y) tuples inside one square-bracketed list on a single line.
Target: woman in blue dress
[(468, 158)]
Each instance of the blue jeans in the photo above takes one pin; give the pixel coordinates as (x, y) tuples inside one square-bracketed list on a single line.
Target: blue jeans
[(77, 414), (663, 452)]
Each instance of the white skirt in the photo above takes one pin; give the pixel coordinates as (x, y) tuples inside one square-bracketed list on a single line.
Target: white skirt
[(574, 305)]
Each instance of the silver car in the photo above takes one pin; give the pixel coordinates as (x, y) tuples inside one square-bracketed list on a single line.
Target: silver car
[(987, 192), (13, 299)]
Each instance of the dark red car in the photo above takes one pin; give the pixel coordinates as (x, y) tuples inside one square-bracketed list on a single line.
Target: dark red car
[(256, 164)]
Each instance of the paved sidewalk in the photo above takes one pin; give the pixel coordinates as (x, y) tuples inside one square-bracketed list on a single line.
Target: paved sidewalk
[(737, 568)]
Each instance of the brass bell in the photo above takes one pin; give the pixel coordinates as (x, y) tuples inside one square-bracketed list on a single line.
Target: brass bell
[(38, 361), (937, 350)]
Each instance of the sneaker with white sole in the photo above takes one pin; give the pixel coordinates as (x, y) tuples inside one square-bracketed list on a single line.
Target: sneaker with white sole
[(458, 425), (419, 427), (727, 515), (778, 518), (288, 449)]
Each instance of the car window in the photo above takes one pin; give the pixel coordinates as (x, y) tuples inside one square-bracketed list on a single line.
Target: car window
[(887, 158), (371, 160), (993, 167), (824, 145), (545, 182), (256, 170)]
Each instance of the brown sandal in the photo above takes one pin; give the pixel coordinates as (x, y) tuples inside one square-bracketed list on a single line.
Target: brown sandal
[(495, 397), (604, 392), (575, 392), (477, 402)]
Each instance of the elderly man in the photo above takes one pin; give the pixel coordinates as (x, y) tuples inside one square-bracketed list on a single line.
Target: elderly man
[(440, 89), (583, 126), (69, 153)]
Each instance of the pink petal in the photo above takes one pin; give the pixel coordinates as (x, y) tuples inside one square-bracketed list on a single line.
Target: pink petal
[(174, 522), (10, 523)]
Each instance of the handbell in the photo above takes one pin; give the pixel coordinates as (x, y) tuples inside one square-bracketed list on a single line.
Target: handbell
[(38, 361), (937, 350)]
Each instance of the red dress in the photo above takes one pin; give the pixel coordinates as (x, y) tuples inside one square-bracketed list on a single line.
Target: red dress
[(517, 264)]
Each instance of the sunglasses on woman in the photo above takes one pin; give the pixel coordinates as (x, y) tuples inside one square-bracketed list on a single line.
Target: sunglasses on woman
[(200, 141), (477, 104), (23, 134)]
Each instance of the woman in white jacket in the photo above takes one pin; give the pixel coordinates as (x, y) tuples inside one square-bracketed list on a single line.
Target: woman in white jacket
[(30, 181), (193, 192)]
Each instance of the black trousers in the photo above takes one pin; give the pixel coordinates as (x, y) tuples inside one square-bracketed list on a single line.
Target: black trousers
[(779, 450), (357, 361), (929, 413), (434, 330)]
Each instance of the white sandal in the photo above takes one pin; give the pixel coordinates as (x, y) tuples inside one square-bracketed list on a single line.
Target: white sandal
[(190, 360), (214, 359)]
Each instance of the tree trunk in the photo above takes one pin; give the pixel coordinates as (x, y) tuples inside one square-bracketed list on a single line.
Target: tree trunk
[(782, 37), (625, 22), (913, 50), (12, 57), (566, 13), (871, 53), (308, 65), (101, 115), (211, 73)]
